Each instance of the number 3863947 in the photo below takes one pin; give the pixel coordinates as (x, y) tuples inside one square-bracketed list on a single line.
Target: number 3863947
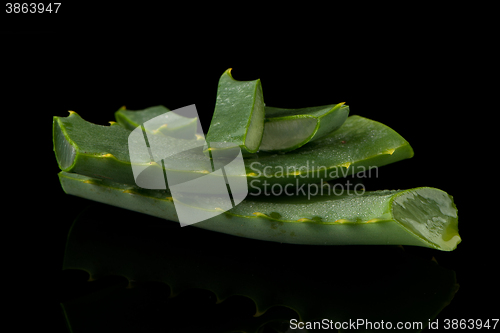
[(25, 8)]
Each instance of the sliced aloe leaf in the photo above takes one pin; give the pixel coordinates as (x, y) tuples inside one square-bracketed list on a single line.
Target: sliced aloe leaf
[(360, 144), (238, 118), (174, 125), (339, 153), (289, 129), (102, 151), (421, 216)]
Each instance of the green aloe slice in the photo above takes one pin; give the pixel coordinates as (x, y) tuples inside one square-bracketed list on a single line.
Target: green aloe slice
[(360, 144), (339, 153), (238, 118), (421, 216), (102, 151), (289, 129), (174, 124)]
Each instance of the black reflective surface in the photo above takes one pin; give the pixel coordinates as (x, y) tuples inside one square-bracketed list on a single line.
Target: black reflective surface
[(418, 93), (147, 274)]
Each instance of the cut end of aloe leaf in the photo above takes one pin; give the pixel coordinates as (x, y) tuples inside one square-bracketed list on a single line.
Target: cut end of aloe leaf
[(65, 151), (289, 129), (430, 214), (239, 113), (287, 134), (254, 134)]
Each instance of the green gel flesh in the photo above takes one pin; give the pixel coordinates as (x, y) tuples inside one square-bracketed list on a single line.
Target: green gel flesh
[(289, 129)]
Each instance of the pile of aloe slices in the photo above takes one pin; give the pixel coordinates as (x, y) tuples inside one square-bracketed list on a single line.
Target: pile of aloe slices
[(290, 149)]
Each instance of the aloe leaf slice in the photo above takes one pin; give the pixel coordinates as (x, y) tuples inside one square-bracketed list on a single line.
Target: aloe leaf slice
[(421, 216), (238, 118), (358, 145), (102, 151), (289, 129), (174, 125)]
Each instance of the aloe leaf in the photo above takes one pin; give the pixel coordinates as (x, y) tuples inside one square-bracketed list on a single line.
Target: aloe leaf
[(238, 118), (289, 129), (357, 146), (421, 216), (102, 151), (360, 144), (174, 125)]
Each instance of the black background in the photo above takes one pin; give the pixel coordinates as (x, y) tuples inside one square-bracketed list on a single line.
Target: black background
[(417, 82)]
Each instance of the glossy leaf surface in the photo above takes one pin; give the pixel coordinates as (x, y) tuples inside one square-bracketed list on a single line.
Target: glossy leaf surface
[(238, 118), (174, 125), (422, 216), (358, 145)]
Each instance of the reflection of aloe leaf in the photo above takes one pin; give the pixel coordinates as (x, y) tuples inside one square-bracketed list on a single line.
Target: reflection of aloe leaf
[(174, 125), (422, 217), (102, 151), (336, 283)]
